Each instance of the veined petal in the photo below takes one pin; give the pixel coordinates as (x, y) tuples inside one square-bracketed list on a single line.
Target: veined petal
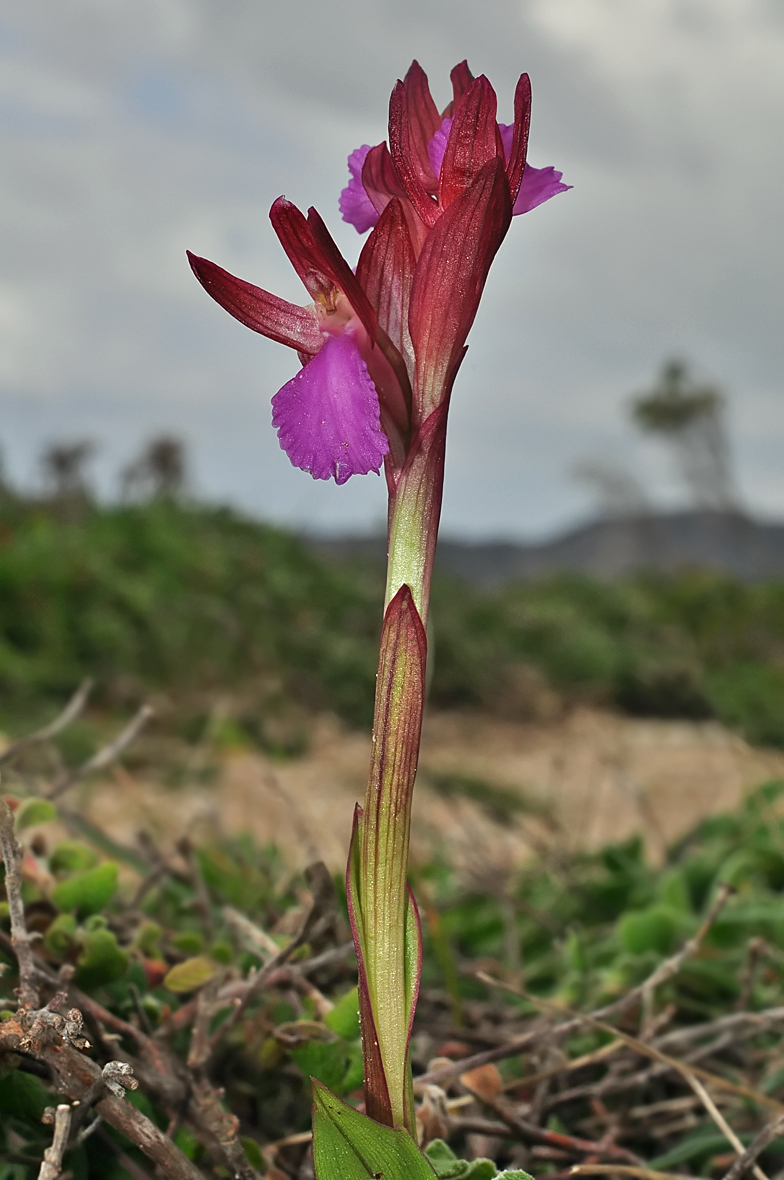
[(344, 276), (517, 149), (379, 178), (450, 276), (284, 322), (386, 270), (327, 417), (402, 151), (355, 205), (317, 260), (462, 79), (539, 185), (473, 141), (423, 120), (437, 145)]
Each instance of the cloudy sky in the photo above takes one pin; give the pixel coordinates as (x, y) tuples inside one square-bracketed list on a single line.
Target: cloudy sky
[(131, 130)]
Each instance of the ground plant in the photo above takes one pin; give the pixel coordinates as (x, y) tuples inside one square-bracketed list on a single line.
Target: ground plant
[(590, 1011)]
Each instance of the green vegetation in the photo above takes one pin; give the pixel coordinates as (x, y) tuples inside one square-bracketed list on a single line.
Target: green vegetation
[(579, 930), (195, 601)]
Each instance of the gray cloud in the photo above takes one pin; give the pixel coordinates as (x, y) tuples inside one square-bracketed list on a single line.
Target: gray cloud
[(134, 130)]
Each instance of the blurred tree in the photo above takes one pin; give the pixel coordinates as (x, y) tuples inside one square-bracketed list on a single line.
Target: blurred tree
[(618, 491), (691, 418), (65, 478), (159, 473)]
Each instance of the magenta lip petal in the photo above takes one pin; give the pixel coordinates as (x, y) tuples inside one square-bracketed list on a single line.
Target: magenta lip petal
[(538, 186), (327, 417), (355, 205), (437, 146)]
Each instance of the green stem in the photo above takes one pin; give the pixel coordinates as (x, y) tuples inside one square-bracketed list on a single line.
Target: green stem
[(388, 924)]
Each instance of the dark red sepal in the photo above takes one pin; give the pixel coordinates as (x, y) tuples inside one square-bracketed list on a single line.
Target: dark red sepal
[(515, 165), (474, 139), (423, 120), (450, 275), (402, 151), (274, 318), (385, 271), (462, 80), (317, 260)]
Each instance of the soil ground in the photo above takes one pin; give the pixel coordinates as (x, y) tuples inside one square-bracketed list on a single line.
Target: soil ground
[(586, 779)]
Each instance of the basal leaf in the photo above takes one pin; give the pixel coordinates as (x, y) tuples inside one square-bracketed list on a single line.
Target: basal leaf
[(348, 1145)]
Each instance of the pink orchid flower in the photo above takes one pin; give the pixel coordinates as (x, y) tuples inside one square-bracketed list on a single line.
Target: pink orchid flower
[(380, 348)]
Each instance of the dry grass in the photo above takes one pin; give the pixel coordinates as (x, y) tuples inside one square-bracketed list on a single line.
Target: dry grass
[(593, 776)]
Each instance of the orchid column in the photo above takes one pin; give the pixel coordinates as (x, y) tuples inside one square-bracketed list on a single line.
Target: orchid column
[(380, 350)]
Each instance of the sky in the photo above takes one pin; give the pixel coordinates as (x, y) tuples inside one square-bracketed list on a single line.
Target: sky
[(132, 130)]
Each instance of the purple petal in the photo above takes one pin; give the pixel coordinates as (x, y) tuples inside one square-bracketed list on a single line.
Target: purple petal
[(355, 205), (437, 146), (539, 184), (327, 417)]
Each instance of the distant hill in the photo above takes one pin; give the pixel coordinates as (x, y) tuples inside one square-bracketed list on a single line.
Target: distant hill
[(726, 542)]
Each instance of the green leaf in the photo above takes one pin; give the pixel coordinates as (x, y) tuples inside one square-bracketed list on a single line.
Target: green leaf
[(102, 960), (187, 976), (71, 856), (653, 929), (448, 1167), (60, 935), (23, 1096), (326, 1061), (88, 891), (343, 1017), (252, 1152), (348, 1145), (35, 811)]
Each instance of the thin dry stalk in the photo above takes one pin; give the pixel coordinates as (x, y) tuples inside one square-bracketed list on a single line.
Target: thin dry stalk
[(755, 1148), (21, 941), (624, 1170), (69, 714), (718, 1117), (106, 755), (52, 1163), (663, 972)]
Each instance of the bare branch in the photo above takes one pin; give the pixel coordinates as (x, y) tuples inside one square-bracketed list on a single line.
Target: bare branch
[(106, 755), (664, 971), (52, 1164), (20, 940), (75, 1074), (69, 714), (755, 1148)]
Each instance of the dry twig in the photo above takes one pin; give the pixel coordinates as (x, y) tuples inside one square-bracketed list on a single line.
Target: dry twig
[(21, 941), (52, 1163), (69, 714), (106, 755)]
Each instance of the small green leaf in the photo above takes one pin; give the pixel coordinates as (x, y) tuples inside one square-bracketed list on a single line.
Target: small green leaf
[(252, 1153), (102, 960), (88, 891), (448, 1167), (343, 1017), (348, 1145), (35, 811), (187, 976), (60, 935), (653, 929), (71, 856), (326, 1061)]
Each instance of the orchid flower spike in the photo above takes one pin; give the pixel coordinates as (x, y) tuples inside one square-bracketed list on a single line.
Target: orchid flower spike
[(380, 348)]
